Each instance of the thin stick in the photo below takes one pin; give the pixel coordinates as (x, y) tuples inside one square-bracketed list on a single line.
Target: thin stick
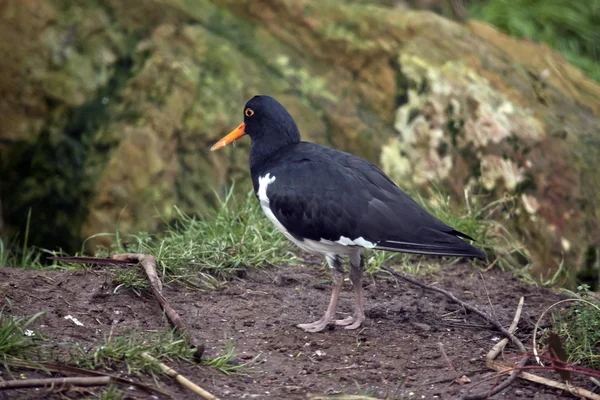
[(52, 382), (498, 347), (474, 310), (336, 369), (441, 348), (148, 262), (487, 294), (577, 391), (65, 369), (492, 321), (181, 379), (537, 324)]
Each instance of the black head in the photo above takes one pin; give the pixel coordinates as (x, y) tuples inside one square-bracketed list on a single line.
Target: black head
[(266, 119), (269, 126)]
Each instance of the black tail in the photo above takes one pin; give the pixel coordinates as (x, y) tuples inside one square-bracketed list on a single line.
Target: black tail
[(435, 243)]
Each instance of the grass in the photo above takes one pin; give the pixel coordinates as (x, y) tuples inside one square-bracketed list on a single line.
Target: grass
[(16, 338), (579, 328), (112, 392), (226, 362), (164, 346), (130, 278), (25, 256), (127, 349), (233, 237), (201, 251)]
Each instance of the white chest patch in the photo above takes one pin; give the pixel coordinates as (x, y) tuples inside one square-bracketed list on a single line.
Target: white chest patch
[(263, 199), (263, 184)]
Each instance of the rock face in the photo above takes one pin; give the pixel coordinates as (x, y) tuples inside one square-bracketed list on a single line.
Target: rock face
[(109, 110)]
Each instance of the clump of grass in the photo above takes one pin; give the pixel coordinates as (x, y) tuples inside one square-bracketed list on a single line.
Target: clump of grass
[(226, 362), (23, 256), (130, 278), (127, 349), (17, 339), (235, 236), (112, 392), (579, 327), (201, 250)]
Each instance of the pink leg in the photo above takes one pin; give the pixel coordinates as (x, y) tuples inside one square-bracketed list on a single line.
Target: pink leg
[(338, 277), (356, 273)]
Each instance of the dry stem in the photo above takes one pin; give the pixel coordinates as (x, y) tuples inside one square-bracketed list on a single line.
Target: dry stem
[(181, 379)]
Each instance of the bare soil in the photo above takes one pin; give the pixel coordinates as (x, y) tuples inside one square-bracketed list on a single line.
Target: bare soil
[(396, 355)]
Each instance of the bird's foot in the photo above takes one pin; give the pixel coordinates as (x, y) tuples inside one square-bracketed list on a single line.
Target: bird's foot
[(346, 321), (350, 322), (314, 327)]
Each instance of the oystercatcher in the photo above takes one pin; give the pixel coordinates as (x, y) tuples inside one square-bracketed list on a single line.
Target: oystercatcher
[(334, 204)]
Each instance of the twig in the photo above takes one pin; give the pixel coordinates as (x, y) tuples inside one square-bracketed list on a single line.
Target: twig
[(487, 294), (474, 310), (492, 321), (148, 262), (53, 382), (498, 347), (46, 366), (577, 391), (441, 348), (181, 379)]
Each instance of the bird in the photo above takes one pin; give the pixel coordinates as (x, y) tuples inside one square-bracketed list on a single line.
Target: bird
[(335, 204)]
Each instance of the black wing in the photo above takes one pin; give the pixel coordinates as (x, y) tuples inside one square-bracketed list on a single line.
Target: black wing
[(319, 193)]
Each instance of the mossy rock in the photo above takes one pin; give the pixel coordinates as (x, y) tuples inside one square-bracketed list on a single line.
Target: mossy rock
[(135, 96)]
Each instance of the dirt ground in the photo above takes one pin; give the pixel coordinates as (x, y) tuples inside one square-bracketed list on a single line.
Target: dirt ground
[(395, 356)]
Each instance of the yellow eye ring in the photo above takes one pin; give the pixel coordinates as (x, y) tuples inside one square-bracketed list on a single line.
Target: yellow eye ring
[(249, 112)]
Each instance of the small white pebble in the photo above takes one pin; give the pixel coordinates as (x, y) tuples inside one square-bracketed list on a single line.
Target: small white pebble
[(75, 320)]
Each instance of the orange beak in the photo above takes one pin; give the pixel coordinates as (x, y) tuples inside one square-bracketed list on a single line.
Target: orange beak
[(230, 138)]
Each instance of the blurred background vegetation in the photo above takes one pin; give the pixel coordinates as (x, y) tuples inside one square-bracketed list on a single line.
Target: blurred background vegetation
[(570, 27)]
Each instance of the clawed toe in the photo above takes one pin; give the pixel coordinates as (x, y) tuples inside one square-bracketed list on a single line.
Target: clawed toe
[(313, 327), (355, 325), (346, 321)]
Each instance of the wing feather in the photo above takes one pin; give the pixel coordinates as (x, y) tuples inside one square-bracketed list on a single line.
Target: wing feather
[(333, 195)]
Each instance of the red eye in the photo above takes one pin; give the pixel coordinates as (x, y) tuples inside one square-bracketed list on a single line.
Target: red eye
[(249, 112)]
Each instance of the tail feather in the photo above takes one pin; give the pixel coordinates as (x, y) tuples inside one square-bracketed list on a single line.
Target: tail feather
[(437, 243)]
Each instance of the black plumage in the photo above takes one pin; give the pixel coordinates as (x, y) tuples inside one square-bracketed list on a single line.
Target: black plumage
[(334, 203), (320, 193)]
